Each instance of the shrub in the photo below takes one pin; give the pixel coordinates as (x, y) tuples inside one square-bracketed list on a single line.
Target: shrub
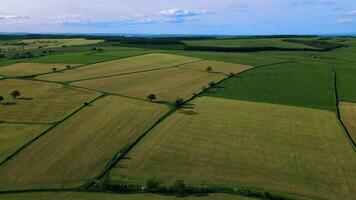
[(151, 185), (54, 69), (15, 94), (231, 74), (179, 186), (68, 66), (1, 98), (179, 102), (212, 84), (209, 69)]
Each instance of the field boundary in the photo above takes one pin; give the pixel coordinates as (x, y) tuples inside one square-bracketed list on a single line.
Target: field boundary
[(47, 131), (338, 115)]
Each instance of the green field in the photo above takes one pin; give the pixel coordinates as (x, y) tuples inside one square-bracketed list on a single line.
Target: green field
[(108, 196), (278, 148), (77, 150), (297, 84), (13, 136), (39, 102), (253, 42)]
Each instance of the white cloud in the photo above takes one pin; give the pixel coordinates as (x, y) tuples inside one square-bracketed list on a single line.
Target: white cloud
[(4, 17), (180, 15), (352, 12), (344, 20)]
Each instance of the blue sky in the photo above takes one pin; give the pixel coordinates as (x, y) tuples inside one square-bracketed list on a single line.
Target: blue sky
[(238, 17)]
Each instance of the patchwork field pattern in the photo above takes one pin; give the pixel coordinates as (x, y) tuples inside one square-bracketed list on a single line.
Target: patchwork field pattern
[(121, 66), (25, 69), (348, 116), (13, 136), (39, 102), (217, 67), (75, 151), (278, 148), (167, 84)]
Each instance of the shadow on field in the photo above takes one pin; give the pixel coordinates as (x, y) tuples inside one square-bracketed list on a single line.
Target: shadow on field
[(188, 109), (25, 98), (8, 103)]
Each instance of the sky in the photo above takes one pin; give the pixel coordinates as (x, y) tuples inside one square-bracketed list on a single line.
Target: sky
[(217, 17)]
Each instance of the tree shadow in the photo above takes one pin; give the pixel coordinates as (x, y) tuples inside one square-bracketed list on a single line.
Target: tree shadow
[(25, 98), (8, 103), (188, 112)]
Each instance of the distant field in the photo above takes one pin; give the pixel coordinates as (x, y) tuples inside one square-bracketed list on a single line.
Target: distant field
[(121, 66), (253, 42), (78, 149), (87, 57), (217, 67), (229, 142), (13, 136), (25, 69), (348, 116), (50, 43), (39, 102), (108, 196), (297, 84), (167, 84)]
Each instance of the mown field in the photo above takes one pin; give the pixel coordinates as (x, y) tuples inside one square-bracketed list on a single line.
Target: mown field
[(268, 130), (77, 150), (39, 102), (280, 148), (121, 66)]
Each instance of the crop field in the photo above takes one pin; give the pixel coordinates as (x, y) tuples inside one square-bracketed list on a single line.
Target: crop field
[(167, 84), (121, 66), (13, 136), (348, 116), (280, 148), (88, 145), (216, 67), (39, 102), (25, 69), (196, 118), (108, 196), (256, 42)]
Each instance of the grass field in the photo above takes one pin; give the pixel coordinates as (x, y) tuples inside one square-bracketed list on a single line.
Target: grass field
[(297, 84), (254, 42), (13, 136), (167, 84), (78, 149), (348, 116), (121, 66), (108, 196), (346, 82), (280, 148), (217, 67), (39, 101), (25, 69)]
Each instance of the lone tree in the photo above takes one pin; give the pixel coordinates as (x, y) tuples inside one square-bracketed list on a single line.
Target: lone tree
[(179, 102), (231, 74), (212, 84), (68, 66), (54, 69), (151, 97), (209, 69), (1, 98), (15, 94)]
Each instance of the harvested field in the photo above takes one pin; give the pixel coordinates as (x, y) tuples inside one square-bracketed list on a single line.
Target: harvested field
[(278, 148), (166, 84), (217, 67), (121, 66), (39, 101), (78, 149), (13, 136), (26, 69), (348, 116)]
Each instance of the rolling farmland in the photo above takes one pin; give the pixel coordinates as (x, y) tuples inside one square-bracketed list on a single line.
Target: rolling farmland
[(143, 120)]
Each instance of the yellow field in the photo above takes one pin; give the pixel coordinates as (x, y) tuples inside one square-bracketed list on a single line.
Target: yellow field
[(13, 136), (79, 148), (120, 66), (229, 142), (51, 43), (108, 196), (167, 84), (39, 102), (217, 67), (25, 69), (348, 116)]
